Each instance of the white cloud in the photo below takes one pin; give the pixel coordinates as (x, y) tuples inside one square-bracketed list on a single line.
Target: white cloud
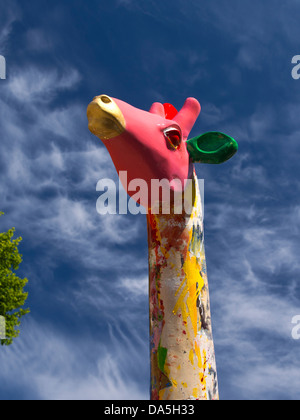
[(254, 327), (135, 287), (10, 13), (253, 267), (36, 85), (56, 367)]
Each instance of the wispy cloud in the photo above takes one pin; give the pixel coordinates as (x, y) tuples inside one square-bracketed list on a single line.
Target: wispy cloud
[(253, 268), (10, 13), (253, 326), (37, 85), (53, 366)]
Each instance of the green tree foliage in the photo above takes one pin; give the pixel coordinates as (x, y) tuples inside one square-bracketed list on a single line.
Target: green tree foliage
[(12, 295)]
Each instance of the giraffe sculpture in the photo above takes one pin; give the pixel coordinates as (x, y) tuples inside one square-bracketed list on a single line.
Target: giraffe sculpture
[(154, 146)]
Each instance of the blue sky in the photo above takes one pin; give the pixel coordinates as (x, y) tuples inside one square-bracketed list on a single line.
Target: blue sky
[(87, 334)]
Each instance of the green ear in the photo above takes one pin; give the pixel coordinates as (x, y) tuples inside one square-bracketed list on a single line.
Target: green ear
[(212, 147)]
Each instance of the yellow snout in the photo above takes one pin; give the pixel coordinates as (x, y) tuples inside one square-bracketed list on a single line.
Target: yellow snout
[(106, 120)]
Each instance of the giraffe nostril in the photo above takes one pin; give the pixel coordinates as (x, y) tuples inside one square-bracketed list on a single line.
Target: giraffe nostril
[(105, 99)]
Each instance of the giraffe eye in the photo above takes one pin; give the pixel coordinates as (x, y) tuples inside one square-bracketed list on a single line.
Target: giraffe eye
[(174, 137)]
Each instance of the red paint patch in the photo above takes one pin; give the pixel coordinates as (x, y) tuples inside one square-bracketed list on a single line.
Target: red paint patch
[(170, 111)]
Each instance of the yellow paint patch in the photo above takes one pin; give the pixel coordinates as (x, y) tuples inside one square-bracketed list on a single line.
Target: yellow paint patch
[(180, 302), (161, 394), (195, 392), (189, 291), (197, 351), (191, 356), (174, 383), (167, 370), (192, 271)]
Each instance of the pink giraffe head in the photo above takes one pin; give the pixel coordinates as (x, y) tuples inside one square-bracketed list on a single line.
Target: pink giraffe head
[(153, 145), (147, 145)]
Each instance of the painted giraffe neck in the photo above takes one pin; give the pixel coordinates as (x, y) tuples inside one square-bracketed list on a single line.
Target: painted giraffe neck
[(182, 351)]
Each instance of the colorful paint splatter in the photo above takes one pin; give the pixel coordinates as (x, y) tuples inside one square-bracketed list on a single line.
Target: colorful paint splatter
[(182, 351)]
